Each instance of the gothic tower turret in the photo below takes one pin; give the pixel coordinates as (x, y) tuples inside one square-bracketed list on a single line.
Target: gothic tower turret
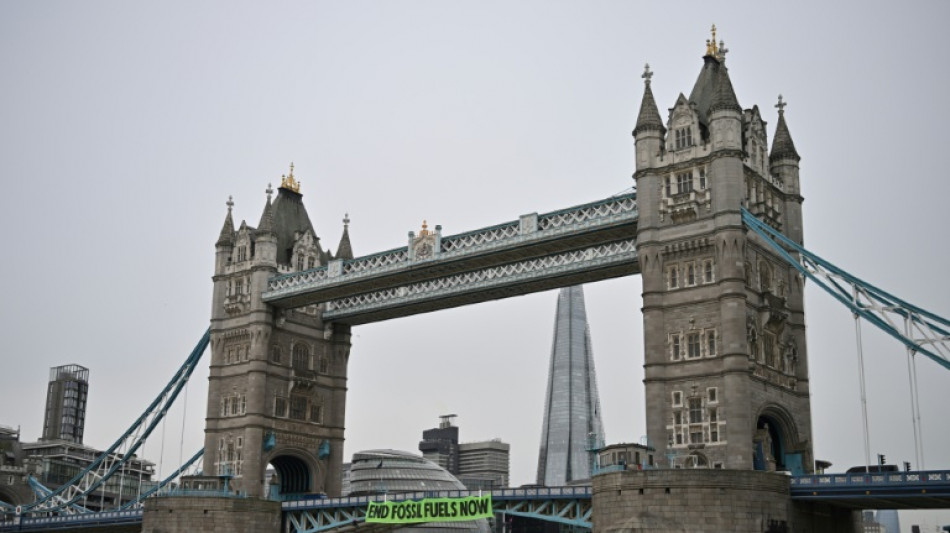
[(725, 374), (277, 384)]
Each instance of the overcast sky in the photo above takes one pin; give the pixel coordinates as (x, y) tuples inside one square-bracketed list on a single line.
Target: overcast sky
[(125, 126)]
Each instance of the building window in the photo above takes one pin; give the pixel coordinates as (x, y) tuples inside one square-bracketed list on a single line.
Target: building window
[(310, 262), (674, 278), (707, 271), (714, 435), (316, 414), (679, 438), (677, 398), (768, 346), (713, 415), (275, 354), (696, 437), (675, 348), (702, 178), (298, 407), (695, 411), (690, 275), (684, 182), (677, 418), (242, 253), (668, 185), (684, 137), (301, 359), (711, 342), (692, 346), (300, 263), (324, 365), (280, 407)]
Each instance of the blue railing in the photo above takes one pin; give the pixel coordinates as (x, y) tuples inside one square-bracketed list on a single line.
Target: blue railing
[(882, 479)]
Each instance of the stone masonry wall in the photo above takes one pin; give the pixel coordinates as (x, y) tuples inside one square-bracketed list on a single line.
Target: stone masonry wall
[(695, 501), (210, 515)]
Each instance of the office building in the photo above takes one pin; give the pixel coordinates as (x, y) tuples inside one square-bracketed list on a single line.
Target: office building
[(572, 425), (66, 403)]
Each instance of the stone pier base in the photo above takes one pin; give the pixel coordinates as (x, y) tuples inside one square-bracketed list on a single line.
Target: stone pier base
[(706, 501), (179, 514)]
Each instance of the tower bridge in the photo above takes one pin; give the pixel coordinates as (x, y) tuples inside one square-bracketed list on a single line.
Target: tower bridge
[(725, 352)]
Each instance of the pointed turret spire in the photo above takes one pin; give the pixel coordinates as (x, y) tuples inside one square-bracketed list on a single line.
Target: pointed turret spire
[(725, 95), (344, 250), (649, 117), (266, 224), (227, 231), (783, 146)]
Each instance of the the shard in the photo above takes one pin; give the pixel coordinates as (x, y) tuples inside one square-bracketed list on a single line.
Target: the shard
[(572, 423)]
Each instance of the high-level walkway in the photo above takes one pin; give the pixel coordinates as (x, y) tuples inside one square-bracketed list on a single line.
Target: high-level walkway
[(580, 244)]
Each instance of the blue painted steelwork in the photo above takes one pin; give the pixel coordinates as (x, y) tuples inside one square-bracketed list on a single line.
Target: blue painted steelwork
[(930, 332), (533, 236), (78, 521), (877, 490), (136, 502), (565, 505), (111, 460)]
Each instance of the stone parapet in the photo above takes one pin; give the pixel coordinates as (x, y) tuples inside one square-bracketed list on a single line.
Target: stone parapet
[(174, 514), (694, 500)]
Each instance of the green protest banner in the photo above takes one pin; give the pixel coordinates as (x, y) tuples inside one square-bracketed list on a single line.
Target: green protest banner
[(430, 510)]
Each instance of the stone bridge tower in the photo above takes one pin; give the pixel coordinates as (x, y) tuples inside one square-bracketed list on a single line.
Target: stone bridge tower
[(726, 369), (277, 387)]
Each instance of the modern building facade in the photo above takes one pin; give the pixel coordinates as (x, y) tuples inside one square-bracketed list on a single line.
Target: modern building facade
[(441, 445), (277, 383), (478, 465), (726, 371), (484, 465), (66, 397), (572, 427)]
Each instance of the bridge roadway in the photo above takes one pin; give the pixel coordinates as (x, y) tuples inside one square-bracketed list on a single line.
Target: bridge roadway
[(566, 505), (580, 244)]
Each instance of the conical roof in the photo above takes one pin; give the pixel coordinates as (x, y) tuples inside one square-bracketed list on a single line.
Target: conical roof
[(226, 238), (782, 145), (266, 225), (713, 90), (345, 250), (649, 118), (290, 219)]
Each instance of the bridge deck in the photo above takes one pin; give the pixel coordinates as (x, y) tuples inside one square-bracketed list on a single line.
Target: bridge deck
[(580, 244)]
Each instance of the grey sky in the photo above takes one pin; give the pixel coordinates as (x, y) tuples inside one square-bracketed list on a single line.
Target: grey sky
[(125, 126)]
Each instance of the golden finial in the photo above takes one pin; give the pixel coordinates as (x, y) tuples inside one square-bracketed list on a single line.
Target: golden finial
[(425, 229), (711, 49), (288, 182)]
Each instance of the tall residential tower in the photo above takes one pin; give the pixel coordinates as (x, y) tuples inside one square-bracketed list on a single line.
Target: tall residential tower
[(572, 421)]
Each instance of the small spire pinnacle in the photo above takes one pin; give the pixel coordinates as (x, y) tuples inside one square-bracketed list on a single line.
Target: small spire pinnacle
[(722, 51), (230, 203), (425, 229), (711, 48), (288, 181), (346, 220), (269, 192), (781, 105), (647, 74)]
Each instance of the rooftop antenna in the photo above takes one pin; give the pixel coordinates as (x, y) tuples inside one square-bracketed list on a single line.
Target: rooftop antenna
[(446, 421)]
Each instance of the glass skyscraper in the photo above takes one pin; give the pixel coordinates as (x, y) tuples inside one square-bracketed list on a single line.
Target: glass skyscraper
[(572, 424)]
